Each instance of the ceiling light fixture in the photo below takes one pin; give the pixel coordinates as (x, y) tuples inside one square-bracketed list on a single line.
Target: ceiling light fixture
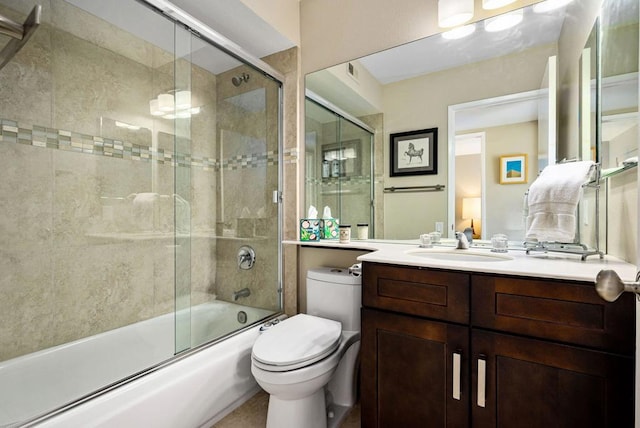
[(452, 13), (503, 22), (459, 32), (495, 4), (549, 5)]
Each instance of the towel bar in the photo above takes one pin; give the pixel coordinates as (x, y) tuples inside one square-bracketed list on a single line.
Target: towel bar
[(576, 247)]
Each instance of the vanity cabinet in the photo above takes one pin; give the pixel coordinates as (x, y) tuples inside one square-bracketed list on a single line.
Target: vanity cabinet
[(453, 349)]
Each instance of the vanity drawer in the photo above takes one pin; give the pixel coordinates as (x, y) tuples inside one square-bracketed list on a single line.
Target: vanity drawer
[(565, 311), (417, 291)]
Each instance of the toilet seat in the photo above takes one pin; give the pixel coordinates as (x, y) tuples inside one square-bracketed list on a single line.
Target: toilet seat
[(296, 342)]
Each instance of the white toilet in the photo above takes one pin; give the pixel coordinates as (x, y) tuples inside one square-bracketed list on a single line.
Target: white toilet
[(308, 363)]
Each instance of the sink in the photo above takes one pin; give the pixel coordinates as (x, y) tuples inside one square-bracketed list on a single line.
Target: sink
[(458, 255)]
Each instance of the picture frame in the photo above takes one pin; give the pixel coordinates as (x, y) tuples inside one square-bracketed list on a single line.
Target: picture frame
[(414, 152), (513, 169)]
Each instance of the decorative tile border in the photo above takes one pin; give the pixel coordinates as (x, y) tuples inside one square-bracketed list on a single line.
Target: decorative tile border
[(58, 139)]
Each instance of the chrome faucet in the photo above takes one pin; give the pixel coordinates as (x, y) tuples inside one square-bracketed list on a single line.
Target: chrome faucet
[(245, 292), (463, 242)]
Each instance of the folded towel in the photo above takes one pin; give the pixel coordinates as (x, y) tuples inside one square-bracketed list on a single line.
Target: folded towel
[(553, 199)]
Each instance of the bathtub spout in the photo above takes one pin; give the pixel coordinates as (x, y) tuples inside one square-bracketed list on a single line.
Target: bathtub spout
[(245, 292)]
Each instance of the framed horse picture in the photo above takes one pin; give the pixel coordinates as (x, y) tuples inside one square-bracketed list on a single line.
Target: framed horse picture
[(414, 152)]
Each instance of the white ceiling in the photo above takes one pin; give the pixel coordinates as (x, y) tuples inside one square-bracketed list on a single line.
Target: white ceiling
[(230, 18), (238, 23)]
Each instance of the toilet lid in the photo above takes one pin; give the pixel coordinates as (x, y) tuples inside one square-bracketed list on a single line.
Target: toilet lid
[(301, 338)]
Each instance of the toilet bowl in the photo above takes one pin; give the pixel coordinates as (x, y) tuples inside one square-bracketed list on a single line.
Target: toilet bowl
[(307, 363), (295, 378)]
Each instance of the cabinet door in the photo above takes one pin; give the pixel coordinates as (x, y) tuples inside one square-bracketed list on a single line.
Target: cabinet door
[(533, 383), (414, 372)]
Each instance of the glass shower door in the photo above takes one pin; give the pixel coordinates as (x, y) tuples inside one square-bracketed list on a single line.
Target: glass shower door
[(339, 168), (232, 140)]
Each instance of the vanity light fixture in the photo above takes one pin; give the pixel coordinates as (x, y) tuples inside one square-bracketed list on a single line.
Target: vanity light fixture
[(173, 104), (452, 13), (503, 22), (495, 4), (459, 32), (549, 5)]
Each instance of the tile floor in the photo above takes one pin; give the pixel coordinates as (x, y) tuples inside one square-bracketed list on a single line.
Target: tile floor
[(253, 414)]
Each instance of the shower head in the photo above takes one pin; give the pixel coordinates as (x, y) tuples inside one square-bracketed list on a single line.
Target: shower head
[(240, 79)]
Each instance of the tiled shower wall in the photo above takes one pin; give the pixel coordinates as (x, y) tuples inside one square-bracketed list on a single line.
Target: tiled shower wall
[(78, 256)]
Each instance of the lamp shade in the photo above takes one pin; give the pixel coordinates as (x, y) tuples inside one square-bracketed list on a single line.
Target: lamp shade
[(452, 13), (471, 208)]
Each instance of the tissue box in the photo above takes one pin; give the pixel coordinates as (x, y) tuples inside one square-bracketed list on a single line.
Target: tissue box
[(309, 229), (329, 228)]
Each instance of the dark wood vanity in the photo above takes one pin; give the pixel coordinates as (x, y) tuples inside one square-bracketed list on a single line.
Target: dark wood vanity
[(444, 348)]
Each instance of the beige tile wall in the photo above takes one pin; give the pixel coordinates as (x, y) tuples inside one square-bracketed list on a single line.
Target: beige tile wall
[(77, 256)]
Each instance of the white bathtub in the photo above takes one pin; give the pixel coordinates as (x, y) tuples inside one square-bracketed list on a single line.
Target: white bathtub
[(191, 391)]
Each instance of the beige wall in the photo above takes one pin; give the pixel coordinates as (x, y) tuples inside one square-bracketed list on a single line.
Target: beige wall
[(283, 15), (505, 201), (422, 102), (623, 215)]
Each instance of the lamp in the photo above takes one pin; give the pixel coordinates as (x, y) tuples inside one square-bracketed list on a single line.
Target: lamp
[(470, 210), (494, 4), (452, 13)]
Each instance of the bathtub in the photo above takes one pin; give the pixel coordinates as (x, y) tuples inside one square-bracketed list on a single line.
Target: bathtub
[(194, 389)]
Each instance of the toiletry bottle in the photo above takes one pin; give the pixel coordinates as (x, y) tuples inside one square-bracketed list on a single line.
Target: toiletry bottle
[(326, 169), (335, 168)]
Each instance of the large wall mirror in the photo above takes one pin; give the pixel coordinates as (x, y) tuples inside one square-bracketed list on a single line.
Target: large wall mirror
[(491, 95)]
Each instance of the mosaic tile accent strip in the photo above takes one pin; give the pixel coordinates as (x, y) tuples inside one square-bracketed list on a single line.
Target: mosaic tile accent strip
[(58, 139)]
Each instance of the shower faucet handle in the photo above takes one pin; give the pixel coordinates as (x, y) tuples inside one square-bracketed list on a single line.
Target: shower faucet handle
[(246, 257)]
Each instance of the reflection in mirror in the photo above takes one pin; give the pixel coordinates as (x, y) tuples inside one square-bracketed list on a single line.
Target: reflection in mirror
[(338, 164), (619, 93), (483, 134), (412, 86)]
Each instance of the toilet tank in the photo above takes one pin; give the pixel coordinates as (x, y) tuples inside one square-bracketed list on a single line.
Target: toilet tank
[(335, 294)]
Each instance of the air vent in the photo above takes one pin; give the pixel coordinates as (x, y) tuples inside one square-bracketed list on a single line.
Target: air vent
[(352, 71)]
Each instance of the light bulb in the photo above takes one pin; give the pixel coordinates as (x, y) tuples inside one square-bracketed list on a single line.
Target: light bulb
[(452, 13)]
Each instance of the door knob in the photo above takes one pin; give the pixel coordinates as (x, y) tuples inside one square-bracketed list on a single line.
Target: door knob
[(609, 285)]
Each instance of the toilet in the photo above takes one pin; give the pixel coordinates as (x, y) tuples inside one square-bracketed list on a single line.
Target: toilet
[(308, 363)]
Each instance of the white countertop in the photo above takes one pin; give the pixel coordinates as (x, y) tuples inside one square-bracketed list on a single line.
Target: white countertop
[(541, 265)]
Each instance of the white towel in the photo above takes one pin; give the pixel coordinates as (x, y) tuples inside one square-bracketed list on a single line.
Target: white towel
[(553, 199)]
